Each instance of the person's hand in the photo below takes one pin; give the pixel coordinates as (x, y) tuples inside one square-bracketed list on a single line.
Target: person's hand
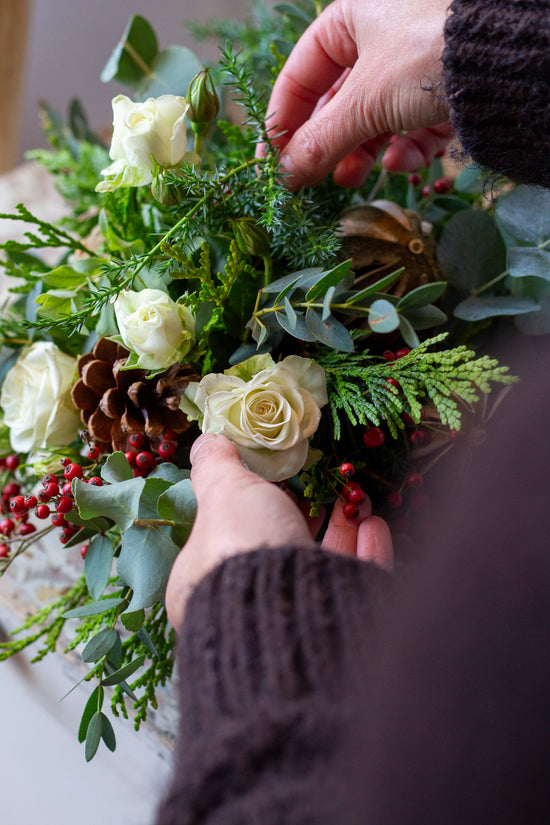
[(363, 71), (238, 511)]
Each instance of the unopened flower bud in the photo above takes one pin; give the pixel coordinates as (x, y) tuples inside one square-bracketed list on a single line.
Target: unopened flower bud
[(203, 100), (252, 239)]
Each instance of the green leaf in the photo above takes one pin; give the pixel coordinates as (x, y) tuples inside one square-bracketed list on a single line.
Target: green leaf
[(154, 487), (97, 565), (123, 673), (169, 472), (378, 286), (114, 656), (332, 278), (93, 609), (525, 213), (120, 501), (383, 316), (288, 290), (133, 621), (477, 309), (93, 705), (133, 55), (179, 504), (107, 733), (93, 736), (327, 300), (116, 468), (471, 251), (331, 332), (425, 317), (300, 330), (64, 277), (99, 645), (471, 179), (528, 261), (146, 558), (173, 69), (407, 331), (294, 277), (422, 296), (146, 640), (291, 314)]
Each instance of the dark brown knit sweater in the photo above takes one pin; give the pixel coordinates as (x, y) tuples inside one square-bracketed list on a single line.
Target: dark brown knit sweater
[(315, 690)]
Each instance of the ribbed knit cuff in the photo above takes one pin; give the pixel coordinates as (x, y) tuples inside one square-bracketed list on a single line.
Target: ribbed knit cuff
[(497, 79), (272, 626)]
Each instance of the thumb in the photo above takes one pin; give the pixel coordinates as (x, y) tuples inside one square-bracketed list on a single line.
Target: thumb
[(215, 463)]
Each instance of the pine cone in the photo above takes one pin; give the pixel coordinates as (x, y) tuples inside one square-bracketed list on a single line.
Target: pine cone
[(114, 402)]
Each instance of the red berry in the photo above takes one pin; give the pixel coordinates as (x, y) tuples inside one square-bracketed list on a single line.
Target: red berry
[(7, 526), (17, 505), (67, 489), (43, 496), (11, 489), (395, 499), (415, 180), (64, 504), (350, 510), (136, 440), (440, 154), (21, 518), (144, 460), (65, 461), (402, 352), (442, 186), (59, 520), (73, 471), (84, 550), (64, 537), (93, 453), (347, 469), (30, 502), (48, 479), (52, 489), (373, 437), (170, 434), (393, 383), (42, 511), (415, 480), (4, 551), (388, 355), (130, 457), (417, 437), (426, 191), (356, 496), (347, 490), (167, 449), (12, 462), (96, 481), (26, 529)]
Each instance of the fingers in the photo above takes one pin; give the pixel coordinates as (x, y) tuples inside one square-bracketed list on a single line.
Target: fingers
[(417, 148), (213, 457), (353, 170), (374, 542), (341, 535)]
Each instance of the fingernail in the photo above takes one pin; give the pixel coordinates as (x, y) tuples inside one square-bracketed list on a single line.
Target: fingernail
[(287, 166), (201, 441)]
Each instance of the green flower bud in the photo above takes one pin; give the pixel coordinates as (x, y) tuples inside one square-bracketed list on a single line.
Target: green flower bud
[(251, 238), (203, 100)]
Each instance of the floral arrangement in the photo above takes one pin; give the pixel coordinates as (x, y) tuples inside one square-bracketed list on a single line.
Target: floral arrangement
[(194, 293)]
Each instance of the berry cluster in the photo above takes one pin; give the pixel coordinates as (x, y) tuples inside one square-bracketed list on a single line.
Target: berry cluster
[(142, 460), (352, 492)]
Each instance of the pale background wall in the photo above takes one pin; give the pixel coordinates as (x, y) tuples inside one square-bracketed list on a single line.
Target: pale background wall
[(70, 41)]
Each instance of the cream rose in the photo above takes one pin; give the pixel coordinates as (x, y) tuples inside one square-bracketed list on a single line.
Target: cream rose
[(155, 328), (269, 411), (36, 399), (142, 132)]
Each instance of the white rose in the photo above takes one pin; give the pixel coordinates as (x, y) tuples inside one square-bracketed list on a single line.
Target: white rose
[(269, 416), (159, 331), (141, 132), (36, 399)]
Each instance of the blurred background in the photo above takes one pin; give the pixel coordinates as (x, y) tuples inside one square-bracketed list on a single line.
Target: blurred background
[(54, 50)]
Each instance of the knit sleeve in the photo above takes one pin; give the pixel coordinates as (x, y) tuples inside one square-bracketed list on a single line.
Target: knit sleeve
[(497, 79), (266, 640)]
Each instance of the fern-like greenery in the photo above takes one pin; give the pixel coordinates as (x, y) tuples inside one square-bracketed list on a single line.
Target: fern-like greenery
[(359, 389)]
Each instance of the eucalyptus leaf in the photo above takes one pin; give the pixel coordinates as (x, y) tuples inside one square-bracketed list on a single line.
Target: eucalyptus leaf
[(407, 331), (154, 487), (172, 71), (471, 251), (169, 472), (123, 673), (146, 558), (383, 316), (64, 277), (133, 56), (97, 525), (93, 736), (528, 261), (93, 705), (114, 656), (290, 313), (133, 621), (92, 609), (425, 317), (525, 213), (470, 179), (286, 292), (477, 309), (99, 645), (180, 505), (119, 502), (146, 640), (300, 330), (331, 278), (116, 468), (327, 300), (378, 286), (422, 296), (292, 278), (332, 333), (107, 733), (97, 565)]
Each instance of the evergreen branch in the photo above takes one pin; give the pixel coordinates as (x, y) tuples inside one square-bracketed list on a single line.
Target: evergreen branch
[(53, 236)]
